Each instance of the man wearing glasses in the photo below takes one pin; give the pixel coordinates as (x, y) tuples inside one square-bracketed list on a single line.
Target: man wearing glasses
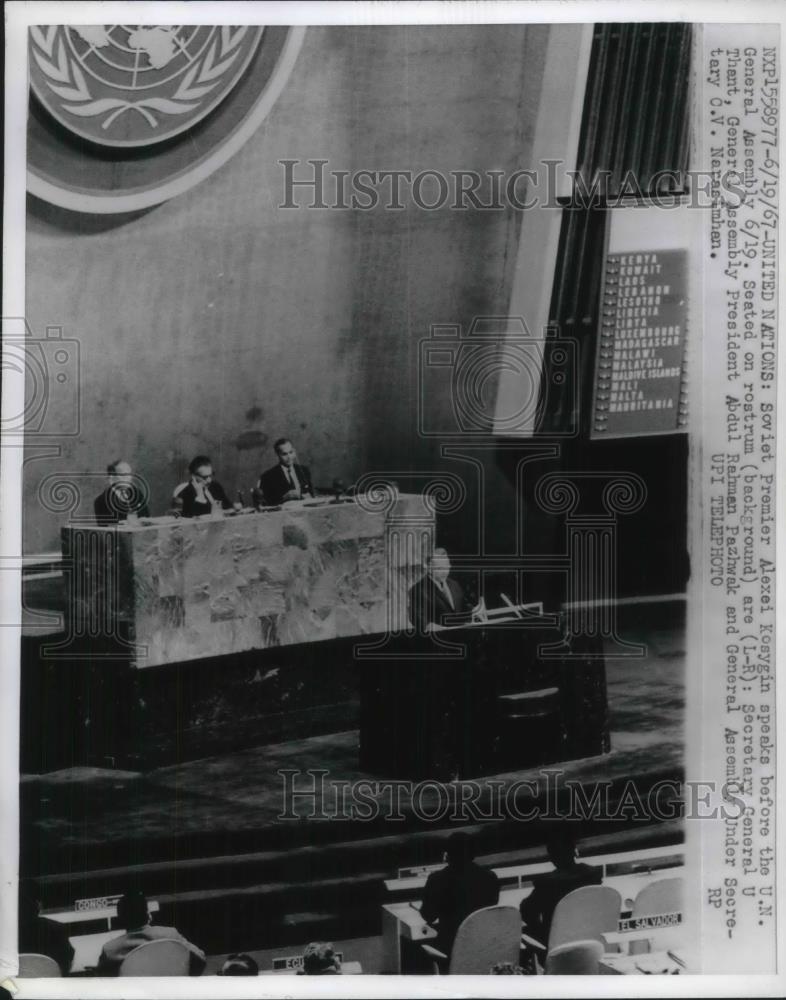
[(202, 494)]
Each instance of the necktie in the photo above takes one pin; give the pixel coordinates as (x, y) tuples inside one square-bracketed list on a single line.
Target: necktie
[(293, 481), (448, 595)]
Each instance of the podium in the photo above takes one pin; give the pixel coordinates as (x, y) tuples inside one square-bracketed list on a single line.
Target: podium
[(171, 590), (427, 716)]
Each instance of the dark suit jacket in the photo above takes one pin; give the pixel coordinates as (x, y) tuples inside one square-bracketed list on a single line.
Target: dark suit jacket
[(114, 951), (451, 894), (193, 507), (427, 603), (111, 510), (537, 909), (274, 483)]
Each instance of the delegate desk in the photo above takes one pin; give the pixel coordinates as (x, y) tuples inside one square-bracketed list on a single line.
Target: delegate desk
[(90, 915), (663, 962), (87, 945), (499, 706), (184, 589), (403, 926), (87, 952)]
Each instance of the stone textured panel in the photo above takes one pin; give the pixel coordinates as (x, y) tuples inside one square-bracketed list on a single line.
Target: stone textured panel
[(207, 587)]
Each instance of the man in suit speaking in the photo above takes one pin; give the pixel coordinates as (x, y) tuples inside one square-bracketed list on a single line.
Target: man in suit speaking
[(287, 480), (436, 594)]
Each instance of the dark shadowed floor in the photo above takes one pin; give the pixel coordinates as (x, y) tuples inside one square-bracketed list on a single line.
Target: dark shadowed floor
[(244, 791), (234, 862)]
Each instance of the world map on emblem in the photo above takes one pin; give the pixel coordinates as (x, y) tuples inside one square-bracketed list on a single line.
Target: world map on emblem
[(133, 85)]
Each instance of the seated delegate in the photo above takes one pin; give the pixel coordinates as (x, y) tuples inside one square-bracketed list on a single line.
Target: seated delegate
[(239, 965), (457, 890), (537, 909), (320, 959), (122, 496), (133, 916), (288, 480), (202, 494)]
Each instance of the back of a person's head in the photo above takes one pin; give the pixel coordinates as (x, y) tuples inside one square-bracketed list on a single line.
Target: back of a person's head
[(319, 959), (459, 849), (561, 847), (239, 965), (506, 969), (197, 462), (132, 910)]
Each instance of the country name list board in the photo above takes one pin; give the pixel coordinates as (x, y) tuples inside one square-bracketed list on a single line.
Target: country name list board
[(639, 385)]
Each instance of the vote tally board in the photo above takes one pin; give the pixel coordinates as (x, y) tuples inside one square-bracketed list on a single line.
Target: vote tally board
[(640, 379)]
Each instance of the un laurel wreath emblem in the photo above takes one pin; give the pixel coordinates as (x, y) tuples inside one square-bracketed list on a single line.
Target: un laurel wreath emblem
[(160, 106), (130, 85)]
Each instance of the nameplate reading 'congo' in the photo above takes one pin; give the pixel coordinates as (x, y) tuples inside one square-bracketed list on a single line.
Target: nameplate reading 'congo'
[(132, 85)]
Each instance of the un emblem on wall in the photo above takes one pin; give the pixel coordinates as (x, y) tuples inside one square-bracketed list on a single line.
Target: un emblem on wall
[(124, 116), (130, 85)]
